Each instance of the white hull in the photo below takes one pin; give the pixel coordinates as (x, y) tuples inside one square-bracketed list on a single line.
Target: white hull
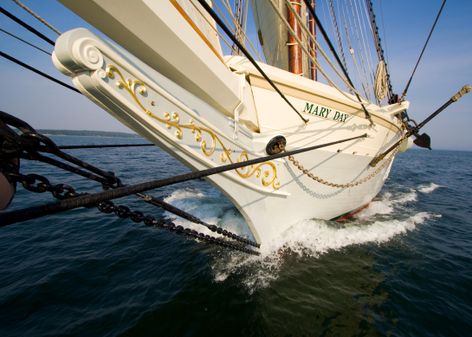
[(235, 122)]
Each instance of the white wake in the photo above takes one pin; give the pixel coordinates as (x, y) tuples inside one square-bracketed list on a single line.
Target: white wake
[(390, 215)]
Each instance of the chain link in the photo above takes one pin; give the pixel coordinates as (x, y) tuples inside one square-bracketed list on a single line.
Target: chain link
[(40, 184), (125, 212), (297, 164)]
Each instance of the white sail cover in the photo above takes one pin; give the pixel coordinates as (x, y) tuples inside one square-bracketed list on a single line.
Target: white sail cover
[(273, 33)]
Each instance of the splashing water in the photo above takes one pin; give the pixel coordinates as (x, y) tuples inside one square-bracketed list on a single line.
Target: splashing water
[(212, 209), (388, 216), (428, 188)]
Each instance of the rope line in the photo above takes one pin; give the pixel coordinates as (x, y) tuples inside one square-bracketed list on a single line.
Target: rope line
[(352, 51), (24, 65), (37, 17), (352, 22), (246, 53), (28, 144), (75, 147), (25, 25), (422, 51), (310, 56), (338, 35), (24, 41), (380, 51), (364, 35), (122, 191), (333, 50)]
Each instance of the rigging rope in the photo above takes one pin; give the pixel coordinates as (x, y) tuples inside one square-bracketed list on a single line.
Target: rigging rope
[(239, 23), (243, 31), (352, 53), (384, 30), (28, 145), (181, 213), (40, 184), (310, 56), (331, 47), (422, 51), (36, 16), (308, 53), (365, 79), (122, 191), (11, 58), (210, 24), (338, 35), (25, 42), (369, 73), (25, 25), (75, 147), (414, 130), (380, 54), (246, 53)]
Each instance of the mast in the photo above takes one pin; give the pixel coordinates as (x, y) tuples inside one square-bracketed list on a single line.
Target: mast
[(295, 64), (312, 47)]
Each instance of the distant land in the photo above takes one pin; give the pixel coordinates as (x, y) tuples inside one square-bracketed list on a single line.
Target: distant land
[(88, 133)]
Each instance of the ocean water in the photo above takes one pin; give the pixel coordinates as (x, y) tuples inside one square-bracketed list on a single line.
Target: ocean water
[(402, 267)]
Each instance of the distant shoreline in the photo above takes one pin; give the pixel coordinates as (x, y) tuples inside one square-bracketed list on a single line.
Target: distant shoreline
[(91, 133), (88, 133)]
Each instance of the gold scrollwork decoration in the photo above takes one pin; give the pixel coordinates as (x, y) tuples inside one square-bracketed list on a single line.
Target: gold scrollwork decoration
[(267, 171)]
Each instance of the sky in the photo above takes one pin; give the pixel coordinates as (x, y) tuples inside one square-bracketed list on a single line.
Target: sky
[(446, 67)]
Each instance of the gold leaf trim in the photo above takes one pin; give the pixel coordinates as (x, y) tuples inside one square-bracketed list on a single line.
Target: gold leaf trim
[(267, 171)]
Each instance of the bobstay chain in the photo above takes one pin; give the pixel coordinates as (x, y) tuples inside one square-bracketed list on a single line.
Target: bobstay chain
[(30, 145)]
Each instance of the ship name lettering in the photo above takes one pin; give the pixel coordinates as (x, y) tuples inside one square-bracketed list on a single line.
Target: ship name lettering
[(325, 112), (339, 116)]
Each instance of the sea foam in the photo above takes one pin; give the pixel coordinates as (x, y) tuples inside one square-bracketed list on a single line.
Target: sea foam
[(389, 215), (428, 188)]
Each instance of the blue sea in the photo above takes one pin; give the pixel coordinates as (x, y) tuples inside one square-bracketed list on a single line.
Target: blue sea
[(402, 267)]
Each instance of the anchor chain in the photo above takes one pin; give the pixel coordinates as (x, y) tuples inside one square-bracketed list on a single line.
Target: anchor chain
[(125, 212), (306, 172), (177, 211), (40, 184), (29, 144)]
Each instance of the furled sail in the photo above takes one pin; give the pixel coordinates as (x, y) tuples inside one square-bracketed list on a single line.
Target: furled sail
[(273, 33)]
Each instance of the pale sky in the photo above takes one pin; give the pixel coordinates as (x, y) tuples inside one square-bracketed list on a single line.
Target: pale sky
[(446, 67)]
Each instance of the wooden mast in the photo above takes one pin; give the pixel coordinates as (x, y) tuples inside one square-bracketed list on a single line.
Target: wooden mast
[(312, 46), (295, 64)]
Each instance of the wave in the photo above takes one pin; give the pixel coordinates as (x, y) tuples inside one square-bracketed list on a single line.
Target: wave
[(315, 237), (388, 216), (309, 238), (428, 188)]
